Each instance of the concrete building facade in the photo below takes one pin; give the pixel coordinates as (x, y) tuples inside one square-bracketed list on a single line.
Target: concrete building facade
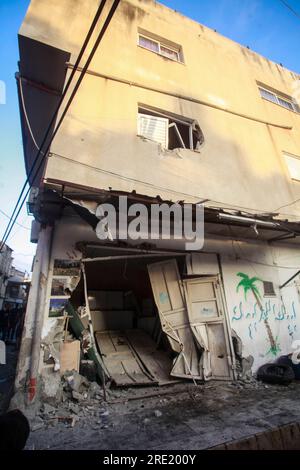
[(5, 267), (168, 110)]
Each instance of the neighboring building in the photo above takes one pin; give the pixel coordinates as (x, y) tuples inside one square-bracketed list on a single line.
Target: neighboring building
[(169, 110), (15, 294), (5, 267)]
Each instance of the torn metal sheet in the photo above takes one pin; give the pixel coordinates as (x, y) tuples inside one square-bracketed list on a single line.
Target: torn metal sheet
[(206, 316), (169, 298)]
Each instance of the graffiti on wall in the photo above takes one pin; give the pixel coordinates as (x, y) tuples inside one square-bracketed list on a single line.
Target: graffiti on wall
[(261, 312)]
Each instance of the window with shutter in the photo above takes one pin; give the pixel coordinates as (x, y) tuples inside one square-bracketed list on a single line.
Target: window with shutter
[(154, 128), (170, 130)]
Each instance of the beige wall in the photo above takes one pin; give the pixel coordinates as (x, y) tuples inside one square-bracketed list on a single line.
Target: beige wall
[(241, 160)]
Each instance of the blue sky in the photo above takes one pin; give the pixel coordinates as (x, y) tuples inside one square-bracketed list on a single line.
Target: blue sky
[(266, 26)]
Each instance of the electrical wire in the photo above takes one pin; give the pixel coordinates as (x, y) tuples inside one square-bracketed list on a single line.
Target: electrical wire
[(224, 205), (290, 8), (26, 116), (8, 217), (53, 119), (77, 85)]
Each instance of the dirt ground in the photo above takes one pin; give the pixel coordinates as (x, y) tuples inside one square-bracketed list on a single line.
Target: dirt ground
[(181, 417)]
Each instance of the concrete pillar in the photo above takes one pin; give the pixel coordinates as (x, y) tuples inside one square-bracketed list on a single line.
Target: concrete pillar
[(29, 356)]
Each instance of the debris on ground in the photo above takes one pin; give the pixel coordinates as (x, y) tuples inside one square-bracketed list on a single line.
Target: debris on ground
[(200, 411)]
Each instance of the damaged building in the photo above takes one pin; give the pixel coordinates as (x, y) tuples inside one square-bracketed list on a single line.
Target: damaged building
[(169, 111)]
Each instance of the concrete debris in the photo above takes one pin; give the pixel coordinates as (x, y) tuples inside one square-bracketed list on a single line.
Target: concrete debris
[(247, 363), (48, 409), (74, 408), (76, 382), (37, 424), (86, 342), (78, 396), (75, 419)]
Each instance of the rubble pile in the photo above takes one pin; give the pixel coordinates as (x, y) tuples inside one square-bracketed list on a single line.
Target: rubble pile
[(81, 399)]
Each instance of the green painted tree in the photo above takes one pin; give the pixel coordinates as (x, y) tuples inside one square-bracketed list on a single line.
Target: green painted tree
[(249, 284)]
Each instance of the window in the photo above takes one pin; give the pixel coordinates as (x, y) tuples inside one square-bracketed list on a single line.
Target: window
[(278, 98), (160, 46), (293, 164), (168, 129), (269, 290)]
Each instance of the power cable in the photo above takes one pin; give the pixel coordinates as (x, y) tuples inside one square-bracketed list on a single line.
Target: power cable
[(83, 72), (53, 119), (290, 8), (8, 217), (222, 205)]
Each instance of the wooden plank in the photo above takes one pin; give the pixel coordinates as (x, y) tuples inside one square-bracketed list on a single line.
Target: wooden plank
[(69, 356), (120, 360), (157, 362)]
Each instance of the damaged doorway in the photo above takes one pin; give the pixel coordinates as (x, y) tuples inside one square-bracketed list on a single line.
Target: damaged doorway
[(192, 314), (143, 319), (126, 325)]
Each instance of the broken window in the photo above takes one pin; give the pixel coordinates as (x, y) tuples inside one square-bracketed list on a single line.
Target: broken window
[(170, 130), (160, 46), (269, 290)]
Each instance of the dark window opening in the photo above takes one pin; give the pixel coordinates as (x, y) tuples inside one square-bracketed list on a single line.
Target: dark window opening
[(170, 131), (269, 290)]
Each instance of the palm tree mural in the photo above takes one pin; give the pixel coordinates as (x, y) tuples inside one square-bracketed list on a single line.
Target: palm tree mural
[(249, 284)]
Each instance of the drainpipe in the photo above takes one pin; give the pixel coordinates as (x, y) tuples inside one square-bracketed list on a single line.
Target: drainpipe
[(44, 252)]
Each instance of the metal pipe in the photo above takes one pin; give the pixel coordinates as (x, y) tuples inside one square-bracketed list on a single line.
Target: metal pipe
[(115, 258), (246, 220), (289, 280), (181, 97)]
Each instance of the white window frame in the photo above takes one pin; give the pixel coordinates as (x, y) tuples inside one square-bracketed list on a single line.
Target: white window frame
[(160, 45), (278, 97), (158, 118), (169, 117), (291, 156)]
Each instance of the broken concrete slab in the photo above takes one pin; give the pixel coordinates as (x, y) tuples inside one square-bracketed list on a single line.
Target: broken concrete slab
[(76, 382)]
